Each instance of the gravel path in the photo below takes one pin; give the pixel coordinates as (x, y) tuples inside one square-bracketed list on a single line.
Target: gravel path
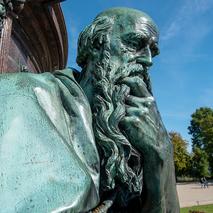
[(191, 194)]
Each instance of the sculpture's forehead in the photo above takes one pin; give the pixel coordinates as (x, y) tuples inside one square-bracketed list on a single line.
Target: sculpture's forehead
[(135, 24), (127, 19), (123, 12)]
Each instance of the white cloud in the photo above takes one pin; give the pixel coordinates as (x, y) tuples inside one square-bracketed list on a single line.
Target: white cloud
[(182, 40), (202, 5), (184, 18)]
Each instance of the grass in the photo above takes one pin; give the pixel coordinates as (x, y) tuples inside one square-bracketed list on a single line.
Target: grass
[(203, 208)]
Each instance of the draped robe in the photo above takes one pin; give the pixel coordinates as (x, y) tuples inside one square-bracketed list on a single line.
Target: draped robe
[(48, 157)]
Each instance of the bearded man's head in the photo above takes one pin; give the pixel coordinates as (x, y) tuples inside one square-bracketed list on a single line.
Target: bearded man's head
[(119, 43)]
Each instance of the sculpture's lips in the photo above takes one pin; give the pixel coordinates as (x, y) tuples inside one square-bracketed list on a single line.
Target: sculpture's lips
[(133, 71), (137, 70), (139, 75)]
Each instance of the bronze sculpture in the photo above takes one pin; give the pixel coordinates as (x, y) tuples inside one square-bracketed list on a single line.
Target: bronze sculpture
[(136, 160)]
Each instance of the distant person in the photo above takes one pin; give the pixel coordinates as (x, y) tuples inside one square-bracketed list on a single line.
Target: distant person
[(201, 183), (205, 182)]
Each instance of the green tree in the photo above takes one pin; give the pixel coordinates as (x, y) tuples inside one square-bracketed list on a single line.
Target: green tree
[(200, 163), (201, 129), (181, 155)]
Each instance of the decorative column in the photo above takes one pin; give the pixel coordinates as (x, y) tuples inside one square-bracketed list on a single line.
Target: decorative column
[(9, 9)]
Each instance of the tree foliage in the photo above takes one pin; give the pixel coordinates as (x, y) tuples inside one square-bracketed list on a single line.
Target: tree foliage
[(201, 129), (199, 163), (181, 155)]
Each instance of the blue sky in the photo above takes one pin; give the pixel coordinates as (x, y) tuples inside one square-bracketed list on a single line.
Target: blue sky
[(182, 75)]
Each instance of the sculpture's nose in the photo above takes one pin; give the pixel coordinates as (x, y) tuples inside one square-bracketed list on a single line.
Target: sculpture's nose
[(145, 57)]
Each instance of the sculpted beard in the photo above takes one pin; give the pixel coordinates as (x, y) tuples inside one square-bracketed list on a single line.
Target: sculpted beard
[(121, 164)]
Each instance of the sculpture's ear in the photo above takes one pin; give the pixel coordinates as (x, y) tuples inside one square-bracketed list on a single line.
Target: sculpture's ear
[(93, 40), (97, 44), (100, 44)]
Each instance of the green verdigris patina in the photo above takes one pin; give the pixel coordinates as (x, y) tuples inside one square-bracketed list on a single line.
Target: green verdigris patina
[(49, 134), (49, 161), (115, 52)]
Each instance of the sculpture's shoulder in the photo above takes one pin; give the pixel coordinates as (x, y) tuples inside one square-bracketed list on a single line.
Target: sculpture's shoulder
[(47, 141), (22, 79), (20, 82), (28, 83), (66, 80)]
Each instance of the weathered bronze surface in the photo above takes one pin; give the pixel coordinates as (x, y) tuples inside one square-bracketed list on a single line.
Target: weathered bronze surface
[(51, 127), (49, 161)]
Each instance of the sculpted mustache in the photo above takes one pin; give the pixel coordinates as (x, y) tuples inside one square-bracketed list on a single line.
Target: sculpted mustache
[(129, 70)]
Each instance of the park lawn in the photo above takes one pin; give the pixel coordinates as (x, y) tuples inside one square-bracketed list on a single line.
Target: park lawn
[(203, 208)]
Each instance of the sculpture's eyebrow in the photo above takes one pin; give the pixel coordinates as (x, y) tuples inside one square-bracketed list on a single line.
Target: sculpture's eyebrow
[(142, 38), (136, 36)]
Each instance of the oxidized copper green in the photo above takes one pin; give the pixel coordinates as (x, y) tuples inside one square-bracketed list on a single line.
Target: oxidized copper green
[(51, 127), (49, 161)]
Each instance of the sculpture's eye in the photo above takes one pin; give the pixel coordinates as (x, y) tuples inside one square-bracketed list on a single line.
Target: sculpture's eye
[(134, 42), (154, 49), (153, 45)]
